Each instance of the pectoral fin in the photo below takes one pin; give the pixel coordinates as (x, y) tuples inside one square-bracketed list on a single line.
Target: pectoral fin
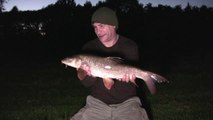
[(108, 83)]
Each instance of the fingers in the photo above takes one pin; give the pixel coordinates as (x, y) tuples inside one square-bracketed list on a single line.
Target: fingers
[(81, 74), (128, 77), (86, 68), (83, 71), (108, 83)]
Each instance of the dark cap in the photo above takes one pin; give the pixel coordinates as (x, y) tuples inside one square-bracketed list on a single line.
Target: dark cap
[(106, 16)]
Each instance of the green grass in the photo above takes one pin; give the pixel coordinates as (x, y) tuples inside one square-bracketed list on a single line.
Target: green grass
[(186, 97), (52, 92), (43, 92)]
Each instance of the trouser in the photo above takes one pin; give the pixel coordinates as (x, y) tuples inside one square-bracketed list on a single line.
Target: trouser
[(97, 110)]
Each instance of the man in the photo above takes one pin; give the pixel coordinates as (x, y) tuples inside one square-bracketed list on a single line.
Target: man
[(110, 99)]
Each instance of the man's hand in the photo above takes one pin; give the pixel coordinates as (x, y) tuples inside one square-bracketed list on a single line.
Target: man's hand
[(108, 83), (83, 71), (128, 78)]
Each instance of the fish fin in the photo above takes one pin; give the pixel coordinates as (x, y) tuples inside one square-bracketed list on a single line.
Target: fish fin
[(81, 74), (116, 59), (150, 78), (108, 83), (133, 81), (150, 83), (157, 78)]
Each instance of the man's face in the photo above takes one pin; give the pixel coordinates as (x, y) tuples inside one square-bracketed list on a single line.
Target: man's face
[(104, 32)]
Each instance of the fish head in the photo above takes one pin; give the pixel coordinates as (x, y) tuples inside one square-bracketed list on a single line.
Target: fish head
[(72, 61)]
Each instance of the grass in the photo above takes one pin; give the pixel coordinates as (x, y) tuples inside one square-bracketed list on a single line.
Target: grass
[(188, 97), (42, 92), (52, 92)]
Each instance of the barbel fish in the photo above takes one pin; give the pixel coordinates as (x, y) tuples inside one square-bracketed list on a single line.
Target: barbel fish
[(110, 67)]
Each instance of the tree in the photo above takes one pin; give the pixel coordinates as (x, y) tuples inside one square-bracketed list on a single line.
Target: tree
[(148, 7), (88, 4), (14, 9), (188, 8), (123, 5), (178, 8), (1, 5), (66, 2)]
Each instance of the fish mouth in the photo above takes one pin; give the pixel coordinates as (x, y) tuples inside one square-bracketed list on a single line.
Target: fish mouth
[(64, 61)]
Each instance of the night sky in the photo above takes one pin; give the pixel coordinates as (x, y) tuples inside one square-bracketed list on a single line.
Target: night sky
[(38, 4)]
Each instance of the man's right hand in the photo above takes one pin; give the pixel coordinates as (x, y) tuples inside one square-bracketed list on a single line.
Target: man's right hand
[(83, 71)]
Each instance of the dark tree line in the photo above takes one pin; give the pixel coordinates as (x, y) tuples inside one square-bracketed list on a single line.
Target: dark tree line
[(2, 5), (60, 29)]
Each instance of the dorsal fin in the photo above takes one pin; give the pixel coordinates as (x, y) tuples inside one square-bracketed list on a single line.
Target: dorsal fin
[(116, 59)]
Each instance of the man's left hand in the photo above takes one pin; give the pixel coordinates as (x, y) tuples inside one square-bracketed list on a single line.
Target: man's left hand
[(128, 77)]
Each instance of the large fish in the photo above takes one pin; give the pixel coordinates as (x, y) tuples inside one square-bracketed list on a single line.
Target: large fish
[(112, 67)]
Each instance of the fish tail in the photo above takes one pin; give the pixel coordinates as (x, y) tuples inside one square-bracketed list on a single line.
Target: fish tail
[(149, 79), (150, 83), (156, 77)]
